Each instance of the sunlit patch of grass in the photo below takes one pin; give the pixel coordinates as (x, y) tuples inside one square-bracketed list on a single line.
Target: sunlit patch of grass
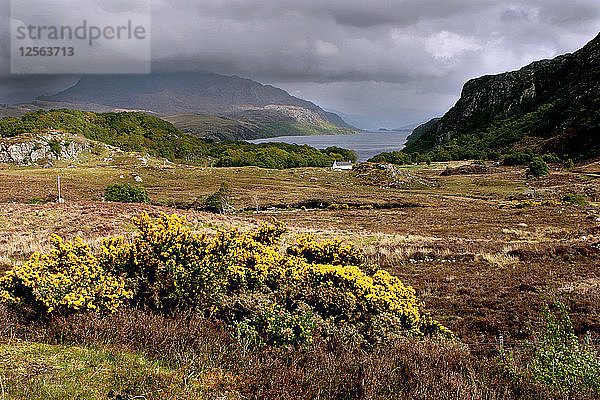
[(40, 371), (537, 234), (499, 259)]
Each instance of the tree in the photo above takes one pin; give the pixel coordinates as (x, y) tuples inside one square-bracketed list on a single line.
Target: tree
[(220, 201), (126, 193), (538, 168)]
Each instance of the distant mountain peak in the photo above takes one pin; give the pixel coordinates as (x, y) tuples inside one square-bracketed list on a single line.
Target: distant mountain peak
[(180, 93)]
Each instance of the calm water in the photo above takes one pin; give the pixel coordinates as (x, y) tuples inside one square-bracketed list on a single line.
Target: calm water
[(366, 143)]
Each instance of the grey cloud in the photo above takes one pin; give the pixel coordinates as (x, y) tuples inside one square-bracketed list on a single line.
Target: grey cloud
[(388, 62)]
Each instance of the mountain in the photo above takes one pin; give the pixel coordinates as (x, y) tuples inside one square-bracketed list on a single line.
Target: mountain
[(423, 129), (187, 95), (549, 106)]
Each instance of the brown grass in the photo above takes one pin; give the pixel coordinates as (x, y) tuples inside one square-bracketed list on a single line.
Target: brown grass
[(479, 269), (328, 369)]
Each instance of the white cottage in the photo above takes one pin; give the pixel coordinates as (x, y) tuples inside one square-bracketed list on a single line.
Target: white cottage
[(340, 166)]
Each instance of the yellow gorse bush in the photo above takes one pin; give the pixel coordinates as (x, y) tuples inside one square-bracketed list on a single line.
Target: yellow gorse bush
[(531, 203), (380, 293), (335, 206), (325, 252), (241, 278), (167, 264), (69, 278)]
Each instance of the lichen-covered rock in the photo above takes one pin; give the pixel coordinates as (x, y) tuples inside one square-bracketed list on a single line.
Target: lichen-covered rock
[(29, 149)]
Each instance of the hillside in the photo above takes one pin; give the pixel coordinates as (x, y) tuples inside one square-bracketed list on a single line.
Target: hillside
[(549, 106), (138, 132), (257, 122)]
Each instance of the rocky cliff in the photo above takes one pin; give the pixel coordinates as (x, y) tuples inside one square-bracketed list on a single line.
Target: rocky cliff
[(552, 105)]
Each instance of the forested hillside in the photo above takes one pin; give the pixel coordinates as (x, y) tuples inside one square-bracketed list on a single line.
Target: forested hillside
[(143, 133)]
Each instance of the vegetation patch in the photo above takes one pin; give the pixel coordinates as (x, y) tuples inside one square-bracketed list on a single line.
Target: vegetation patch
[(560, 360), (576, 199), (132, 131), (531, 203), (126, 193), (68, 279), (538, 168), (266, 297), (220, 201), (41, 371)]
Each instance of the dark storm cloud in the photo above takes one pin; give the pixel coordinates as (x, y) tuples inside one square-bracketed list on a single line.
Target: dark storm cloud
[(391, 62)]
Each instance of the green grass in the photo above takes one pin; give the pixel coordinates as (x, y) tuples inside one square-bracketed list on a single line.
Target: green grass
[(41, 371)]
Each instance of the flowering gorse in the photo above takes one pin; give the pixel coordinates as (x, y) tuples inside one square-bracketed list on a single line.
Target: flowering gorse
[(67, 279), (525, 203), (241, 278)]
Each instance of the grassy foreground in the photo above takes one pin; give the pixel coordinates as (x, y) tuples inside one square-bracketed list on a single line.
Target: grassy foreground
[(43, 371), (481, 250)]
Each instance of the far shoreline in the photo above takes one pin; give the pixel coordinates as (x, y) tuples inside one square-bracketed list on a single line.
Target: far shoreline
[(366, 143)]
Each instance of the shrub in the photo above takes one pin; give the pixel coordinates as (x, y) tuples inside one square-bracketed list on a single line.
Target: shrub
[(171, 267), (325, 252), (335, 206), (561, 360), (274, 324), (55, 147), (126, 193), (36, 200), (531, 203), (220, 201), (238, 277), (569, 164), (538, 168), (575, 198), (67, 279), (241, 278), (551, 158), (518, 158)]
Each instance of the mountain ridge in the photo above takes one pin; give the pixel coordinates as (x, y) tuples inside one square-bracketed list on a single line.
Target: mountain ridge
[(550, 105), (168, 94), (247, 105)]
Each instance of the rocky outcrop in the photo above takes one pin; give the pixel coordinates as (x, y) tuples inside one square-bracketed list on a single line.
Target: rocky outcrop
[(555, 100), (27, 149)]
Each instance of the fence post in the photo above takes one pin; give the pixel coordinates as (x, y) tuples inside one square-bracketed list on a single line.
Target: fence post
[(60, 199)]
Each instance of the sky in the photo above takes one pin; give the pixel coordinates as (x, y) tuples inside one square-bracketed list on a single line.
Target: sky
[(378, 63)]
